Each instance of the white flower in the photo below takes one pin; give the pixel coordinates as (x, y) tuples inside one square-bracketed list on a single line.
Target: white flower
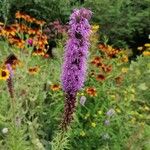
[(106, 136), (5, 130), (82, 100)]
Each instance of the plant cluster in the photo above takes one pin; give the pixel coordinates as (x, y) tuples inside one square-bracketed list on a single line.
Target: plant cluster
[(112, 108)]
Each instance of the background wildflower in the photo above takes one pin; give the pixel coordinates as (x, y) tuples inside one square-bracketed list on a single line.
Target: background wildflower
[(100, 77), (55, 87), (82, 133), (105, 136), (4, 74), (91, 91), (5, 130), (30, 42), (110, 112), (107, 122), (93, 124), (82, 100), (146, 53), (33, 70), (10, 81)]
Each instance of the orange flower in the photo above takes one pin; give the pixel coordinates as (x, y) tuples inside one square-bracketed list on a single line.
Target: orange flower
[(31, 31), (40, 41), (29, 18), (101, 46), (55, 87), (46, 56), (91, 91), (18, 15), (108, 50), (22, 28), (40, 22), (38, 52), (33, 70), (24, 16), (97, 61), (100, 77), (8, 31), (125, 59), (103, 66), (119, 80), (19, 43), (106, 68)]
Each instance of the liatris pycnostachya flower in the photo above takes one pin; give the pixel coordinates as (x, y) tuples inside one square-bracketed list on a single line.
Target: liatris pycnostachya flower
[(74, 67), (10, 81)]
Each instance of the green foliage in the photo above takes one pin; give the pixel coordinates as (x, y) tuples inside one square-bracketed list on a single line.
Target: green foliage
[(34, 119), (130, 103), (123, 21), (31, 120), (60, 141), (48, 10)]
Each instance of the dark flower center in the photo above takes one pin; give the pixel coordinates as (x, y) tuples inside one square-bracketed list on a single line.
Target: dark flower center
[(101, 77), (3, 73)]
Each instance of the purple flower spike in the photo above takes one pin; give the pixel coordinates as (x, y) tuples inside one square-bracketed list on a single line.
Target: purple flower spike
[(11, 72), (76, 51), (10, 81)]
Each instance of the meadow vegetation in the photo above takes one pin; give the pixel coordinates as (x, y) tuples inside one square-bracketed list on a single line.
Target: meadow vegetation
[(112, 109)]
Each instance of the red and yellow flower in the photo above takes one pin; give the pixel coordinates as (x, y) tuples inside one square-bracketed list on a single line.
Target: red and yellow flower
[(33, 70), (55, 87), (4, 74), (91, 91)]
